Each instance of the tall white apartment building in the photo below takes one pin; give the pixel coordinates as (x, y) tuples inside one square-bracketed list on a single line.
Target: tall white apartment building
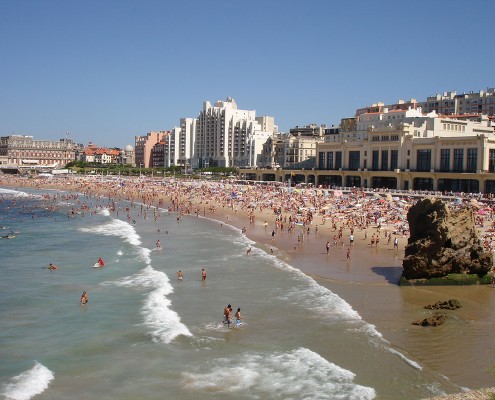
[(228, 137)]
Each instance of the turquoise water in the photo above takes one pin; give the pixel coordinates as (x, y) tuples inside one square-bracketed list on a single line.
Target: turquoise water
[(145, 335)]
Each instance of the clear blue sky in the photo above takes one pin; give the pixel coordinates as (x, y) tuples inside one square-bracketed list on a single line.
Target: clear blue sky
[(106, 71)]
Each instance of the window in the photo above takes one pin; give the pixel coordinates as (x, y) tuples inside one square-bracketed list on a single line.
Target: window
[(472, 160), (491, 160), (394, 159), (384, 160), (338, 159), (445, 160), (375, 156), (424, 160), (330, 160), (353, 160), (321, 160), (394, 137), (458, 158)]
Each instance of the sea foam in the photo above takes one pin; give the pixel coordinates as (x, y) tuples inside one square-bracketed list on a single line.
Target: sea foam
[(164, 323), (29, 383), (300, 373), (115, 227)]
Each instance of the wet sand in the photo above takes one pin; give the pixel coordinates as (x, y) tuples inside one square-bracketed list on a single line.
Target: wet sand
[(460, 349)]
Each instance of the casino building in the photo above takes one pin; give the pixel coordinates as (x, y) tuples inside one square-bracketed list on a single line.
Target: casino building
[(402, 149)]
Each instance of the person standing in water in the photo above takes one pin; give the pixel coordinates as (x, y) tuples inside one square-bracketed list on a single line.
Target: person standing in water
[(238, 317), (203, 275), (180, 275), (226, 314), (84, 298)]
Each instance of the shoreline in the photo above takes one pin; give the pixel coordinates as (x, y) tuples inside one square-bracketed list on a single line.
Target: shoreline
[(368, 281)]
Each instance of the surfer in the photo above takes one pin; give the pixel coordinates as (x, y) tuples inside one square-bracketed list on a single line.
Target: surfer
[(100, 261), (84, 298), (52, 267), (158, 244)]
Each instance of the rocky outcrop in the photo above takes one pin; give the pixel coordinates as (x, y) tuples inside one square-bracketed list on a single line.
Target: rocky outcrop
[(443, 242), (444, 305), (434, 320)]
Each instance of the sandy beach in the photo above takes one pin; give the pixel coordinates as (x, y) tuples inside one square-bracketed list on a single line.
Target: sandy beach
[(313, 233)]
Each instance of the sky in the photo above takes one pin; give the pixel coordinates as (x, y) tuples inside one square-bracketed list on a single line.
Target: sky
[(105, 70)]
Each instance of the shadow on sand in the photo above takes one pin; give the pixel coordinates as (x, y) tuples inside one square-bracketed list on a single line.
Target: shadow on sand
[(391, 274)]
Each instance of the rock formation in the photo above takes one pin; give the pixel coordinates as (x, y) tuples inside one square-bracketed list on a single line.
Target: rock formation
[(434, 320), (444, 305), (442, 242)]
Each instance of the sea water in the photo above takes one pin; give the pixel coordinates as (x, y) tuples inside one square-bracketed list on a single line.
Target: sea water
[(145, 335)]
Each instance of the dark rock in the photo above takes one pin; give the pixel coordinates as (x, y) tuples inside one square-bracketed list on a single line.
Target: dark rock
[(443, 242), (434, 320), (444, 305)]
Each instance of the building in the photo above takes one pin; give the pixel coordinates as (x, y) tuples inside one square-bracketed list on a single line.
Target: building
[(179, 145), (144, 146), (126, 156), (228, 137), (24, 151), (411, 150), (403, 150), (106, 156), (296, 149), (447, 103)]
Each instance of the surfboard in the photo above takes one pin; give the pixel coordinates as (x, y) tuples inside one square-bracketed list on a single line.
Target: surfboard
[(97, 265)]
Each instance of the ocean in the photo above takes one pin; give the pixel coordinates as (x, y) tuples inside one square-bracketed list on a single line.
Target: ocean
[(145, 335)]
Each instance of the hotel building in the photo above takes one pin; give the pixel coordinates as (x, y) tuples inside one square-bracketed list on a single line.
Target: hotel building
[(24, 151), (221, 136)]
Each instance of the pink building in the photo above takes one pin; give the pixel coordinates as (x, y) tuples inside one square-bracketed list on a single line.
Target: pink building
[(144, 146)]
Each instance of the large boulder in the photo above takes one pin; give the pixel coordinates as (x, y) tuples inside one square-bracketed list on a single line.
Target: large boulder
[(442, 242)]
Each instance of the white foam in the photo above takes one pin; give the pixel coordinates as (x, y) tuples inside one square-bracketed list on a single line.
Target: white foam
[(17, 193), (165, 324), (28, 384), (105, 211), (115, 227), (300, 373)]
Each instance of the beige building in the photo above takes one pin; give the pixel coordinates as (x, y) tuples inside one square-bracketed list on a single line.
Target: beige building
[(447, 103), (293, 149), (404, 150)]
